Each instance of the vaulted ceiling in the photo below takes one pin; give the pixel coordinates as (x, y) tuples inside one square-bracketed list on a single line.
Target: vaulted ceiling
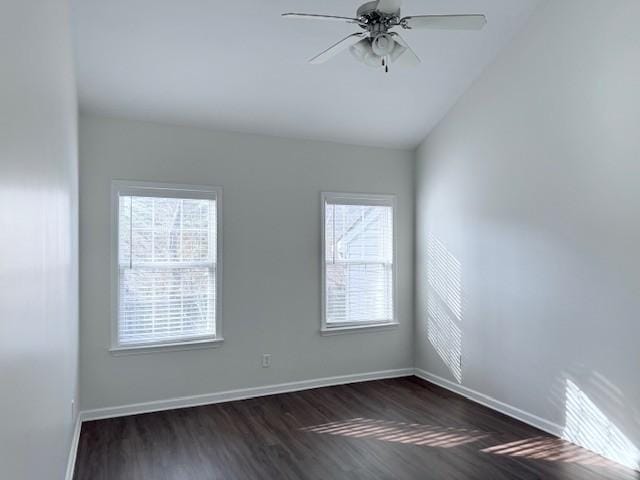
[(239, 66)]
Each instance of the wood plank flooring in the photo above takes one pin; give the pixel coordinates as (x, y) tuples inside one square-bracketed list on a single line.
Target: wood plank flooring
[(391, 429)]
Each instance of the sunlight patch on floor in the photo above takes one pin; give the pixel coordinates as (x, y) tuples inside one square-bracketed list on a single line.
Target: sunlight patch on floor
[(400, 432), (551, 450)]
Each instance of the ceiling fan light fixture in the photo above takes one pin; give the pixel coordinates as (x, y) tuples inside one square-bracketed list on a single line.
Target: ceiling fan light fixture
[(360, 50), (363, 52), (383, 44), (372, 60), (397, 52), (377, 45)]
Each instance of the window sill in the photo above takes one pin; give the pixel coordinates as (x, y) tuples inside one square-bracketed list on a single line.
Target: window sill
[(326, 332), (166, 347)]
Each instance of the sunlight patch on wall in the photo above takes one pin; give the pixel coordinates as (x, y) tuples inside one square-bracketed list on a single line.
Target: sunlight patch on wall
[(587, 426), (444, 305), (445, 336), (444, 274), (400, 432)]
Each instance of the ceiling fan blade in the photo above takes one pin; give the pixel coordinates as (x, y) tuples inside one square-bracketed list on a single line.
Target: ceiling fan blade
[(338, 47), (407, 57), (389, 6), (313, 16), (445, 22)]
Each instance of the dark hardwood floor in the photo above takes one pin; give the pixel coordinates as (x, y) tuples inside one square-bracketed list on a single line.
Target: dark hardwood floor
[(390, 429)]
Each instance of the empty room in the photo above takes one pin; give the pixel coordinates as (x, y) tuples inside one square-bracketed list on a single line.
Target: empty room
[(304, 240)]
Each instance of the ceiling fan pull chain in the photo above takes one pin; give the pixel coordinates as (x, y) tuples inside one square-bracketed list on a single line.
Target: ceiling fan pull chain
[(385, 63)]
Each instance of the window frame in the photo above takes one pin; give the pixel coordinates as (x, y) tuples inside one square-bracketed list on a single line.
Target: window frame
[(162, 190), (367, 199)]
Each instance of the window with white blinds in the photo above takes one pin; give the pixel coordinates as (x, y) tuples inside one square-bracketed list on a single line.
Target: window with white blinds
[(167, 265), (358, 257)]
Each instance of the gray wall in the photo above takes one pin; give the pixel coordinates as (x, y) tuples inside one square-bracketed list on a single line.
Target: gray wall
[(528, 228), (38, 240), (271, 280)]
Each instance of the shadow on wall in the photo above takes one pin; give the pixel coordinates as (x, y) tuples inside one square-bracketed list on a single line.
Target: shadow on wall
[(598, 416), (444, 305)]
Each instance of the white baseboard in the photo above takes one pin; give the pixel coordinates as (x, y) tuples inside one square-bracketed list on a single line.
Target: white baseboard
[(492, 403), (240, 394), (73, 449), (511, 411), (246, 393)]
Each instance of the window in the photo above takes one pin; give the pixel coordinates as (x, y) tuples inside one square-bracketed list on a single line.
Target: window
[(167, 265), (358, 261)]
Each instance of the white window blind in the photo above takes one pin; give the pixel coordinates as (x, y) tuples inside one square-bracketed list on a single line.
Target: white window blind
[(167, 249), (358, 261)]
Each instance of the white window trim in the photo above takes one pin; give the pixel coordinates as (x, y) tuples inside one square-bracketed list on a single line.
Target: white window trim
[(168, 190), (358, 199)]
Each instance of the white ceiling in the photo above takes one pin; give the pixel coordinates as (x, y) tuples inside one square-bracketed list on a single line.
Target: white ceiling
[(238, 66)]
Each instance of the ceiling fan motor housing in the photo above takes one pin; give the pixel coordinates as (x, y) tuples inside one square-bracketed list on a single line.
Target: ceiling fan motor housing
[(372, 7)]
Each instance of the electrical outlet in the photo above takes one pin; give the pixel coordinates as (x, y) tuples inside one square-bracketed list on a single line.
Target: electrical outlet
[(266, 360)]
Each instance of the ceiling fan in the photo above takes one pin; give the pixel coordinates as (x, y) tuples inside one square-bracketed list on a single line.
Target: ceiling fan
[(377, 45)]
